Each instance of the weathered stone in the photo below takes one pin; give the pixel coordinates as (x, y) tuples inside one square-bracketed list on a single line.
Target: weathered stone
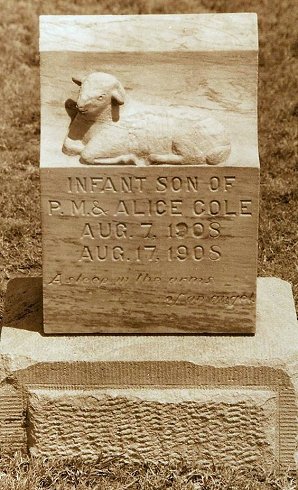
[(219, 424), (166, 240), (230, 397)]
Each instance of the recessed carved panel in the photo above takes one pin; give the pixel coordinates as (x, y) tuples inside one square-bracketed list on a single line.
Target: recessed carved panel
[(102, 133)]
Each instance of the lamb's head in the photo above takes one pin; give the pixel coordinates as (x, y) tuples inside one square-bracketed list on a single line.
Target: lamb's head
[(98, 91)]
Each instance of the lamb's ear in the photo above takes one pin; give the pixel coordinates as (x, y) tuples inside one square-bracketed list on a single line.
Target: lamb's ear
[(118, 94), (77, 80)]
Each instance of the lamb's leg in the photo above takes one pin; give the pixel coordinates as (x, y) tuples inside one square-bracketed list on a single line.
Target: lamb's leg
[(119, 160), (170, 159), (72, 147), (218, 155)]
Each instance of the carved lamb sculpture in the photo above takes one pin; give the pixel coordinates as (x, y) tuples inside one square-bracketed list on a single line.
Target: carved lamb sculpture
[(154, 135)]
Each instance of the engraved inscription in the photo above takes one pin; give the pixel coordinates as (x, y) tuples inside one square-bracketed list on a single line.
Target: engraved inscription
[(229, 301), (170, 241), (99, 185), (129, 229), (143, 278)]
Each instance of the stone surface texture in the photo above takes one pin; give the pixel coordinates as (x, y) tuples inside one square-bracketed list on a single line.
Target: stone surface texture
[(233, 32), (156, 423), (233, 398)]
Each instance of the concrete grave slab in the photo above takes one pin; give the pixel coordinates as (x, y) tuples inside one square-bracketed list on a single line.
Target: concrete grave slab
[(233, 398)]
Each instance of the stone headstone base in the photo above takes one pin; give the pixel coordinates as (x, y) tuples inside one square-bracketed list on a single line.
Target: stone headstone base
[(230, 399)]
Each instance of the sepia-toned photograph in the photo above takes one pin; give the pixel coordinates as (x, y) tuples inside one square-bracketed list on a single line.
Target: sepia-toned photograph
[(148, 279)]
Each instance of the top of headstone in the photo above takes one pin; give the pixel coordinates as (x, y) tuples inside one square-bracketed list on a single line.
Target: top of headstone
[(187, 32), (200, 67)]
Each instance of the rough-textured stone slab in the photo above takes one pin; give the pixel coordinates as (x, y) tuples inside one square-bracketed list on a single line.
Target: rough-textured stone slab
[(246, 387), (13, 434), (166, 241), (158, 424)]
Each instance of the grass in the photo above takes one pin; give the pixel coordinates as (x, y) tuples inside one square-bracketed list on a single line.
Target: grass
[(18, 473), (20, 233)]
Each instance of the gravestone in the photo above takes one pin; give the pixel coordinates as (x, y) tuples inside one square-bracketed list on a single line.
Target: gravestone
[(158, 233), (149, 173)]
